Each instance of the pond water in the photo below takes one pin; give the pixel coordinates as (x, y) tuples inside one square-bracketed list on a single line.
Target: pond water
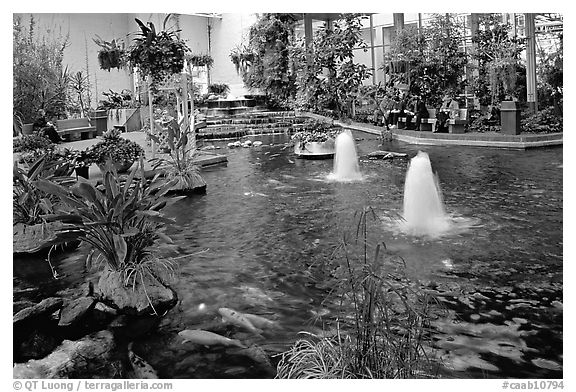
[(268, 216)]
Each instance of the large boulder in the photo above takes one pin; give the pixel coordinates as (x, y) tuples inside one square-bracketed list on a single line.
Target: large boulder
[(74, 311), (147, 297), (94, 356), (41, 310)]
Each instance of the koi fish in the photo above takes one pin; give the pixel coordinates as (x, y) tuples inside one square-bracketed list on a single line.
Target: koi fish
[(207, 338), (238, 319), (260, 322)]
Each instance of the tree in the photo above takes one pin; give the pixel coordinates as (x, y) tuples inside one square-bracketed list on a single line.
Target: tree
[(265, 62), (39, 79), (498, 54), (332, 79), (431, 59)]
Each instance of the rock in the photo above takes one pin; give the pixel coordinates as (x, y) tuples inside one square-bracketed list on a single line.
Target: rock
[(19, 305), (39, 237), (37, 345), (43, 309), (386, 155), (90, 357), (152, 297), (75, 310), (93, 356), (257, 143), (248, 142)]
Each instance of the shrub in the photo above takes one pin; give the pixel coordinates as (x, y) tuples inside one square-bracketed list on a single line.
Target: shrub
[(543, 121), (115, 148)]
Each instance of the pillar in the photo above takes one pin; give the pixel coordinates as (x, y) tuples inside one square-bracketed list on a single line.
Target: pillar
[(532, 95), (372, 50), (398, 21), (308, 35)]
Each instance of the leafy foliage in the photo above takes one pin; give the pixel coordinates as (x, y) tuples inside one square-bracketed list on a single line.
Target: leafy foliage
[(331, 52), (158, 54), (111, 54), (200, 60), (551, 77), (543, 121), (383, 324), (121, 220), (35, 141), (30, 204), (265, 62), (116, 148), (116, 100), (497, 53), (218, 89), (315, 131), (39, 79), (179, 168)]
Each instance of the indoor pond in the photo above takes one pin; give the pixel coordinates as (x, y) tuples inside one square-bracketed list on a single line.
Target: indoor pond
[(269, 216)]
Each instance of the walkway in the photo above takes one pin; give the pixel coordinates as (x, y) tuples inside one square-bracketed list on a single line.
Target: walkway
[(475, 139)]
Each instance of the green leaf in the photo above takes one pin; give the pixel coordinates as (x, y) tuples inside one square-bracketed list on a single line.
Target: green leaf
[(121, 248), (51, 188), (88, 262)]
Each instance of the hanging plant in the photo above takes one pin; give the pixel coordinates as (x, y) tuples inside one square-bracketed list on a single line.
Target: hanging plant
[(111, 55), (242, 58), (157, 54), (200, 60)]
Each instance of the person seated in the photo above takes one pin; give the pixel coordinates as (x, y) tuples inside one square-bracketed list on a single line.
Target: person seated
[(45, 127), (396, 111), (383, 111), (449, 109), (420, 111), (406, 108)]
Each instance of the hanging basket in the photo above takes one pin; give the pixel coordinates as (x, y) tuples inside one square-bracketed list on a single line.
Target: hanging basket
[(109, 59)]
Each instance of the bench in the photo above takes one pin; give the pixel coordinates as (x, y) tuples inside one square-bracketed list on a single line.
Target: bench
[(457, 125), (75, 129)]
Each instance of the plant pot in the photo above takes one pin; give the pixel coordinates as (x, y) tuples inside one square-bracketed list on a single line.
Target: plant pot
[(318, 150), (121, 167), (82, 172)]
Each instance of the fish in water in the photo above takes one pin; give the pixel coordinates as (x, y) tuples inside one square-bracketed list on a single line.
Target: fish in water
[(141, 368), (236, 318), (207, 338), (260, 322)]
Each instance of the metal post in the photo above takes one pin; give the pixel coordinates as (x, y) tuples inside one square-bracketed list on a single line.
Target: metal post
[(532, 96), (373, 55), (308, 37)]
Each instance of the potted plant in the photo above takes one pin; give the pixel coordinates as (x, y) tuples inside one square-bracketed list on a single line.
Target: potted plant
[(158, 54), (111, 53), (200, 60), (31, 207), (133, 277), (315, 139), (179, 166), (122, 152), (80, 160)]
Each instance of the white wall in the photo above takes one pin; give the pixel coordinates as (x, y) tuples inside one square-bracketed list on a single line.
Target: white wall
[(226, 33)]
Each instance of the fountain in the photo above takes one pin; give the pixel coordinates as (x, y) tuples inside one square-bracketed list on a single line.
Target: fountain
[(423, 208), (346, 159)]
